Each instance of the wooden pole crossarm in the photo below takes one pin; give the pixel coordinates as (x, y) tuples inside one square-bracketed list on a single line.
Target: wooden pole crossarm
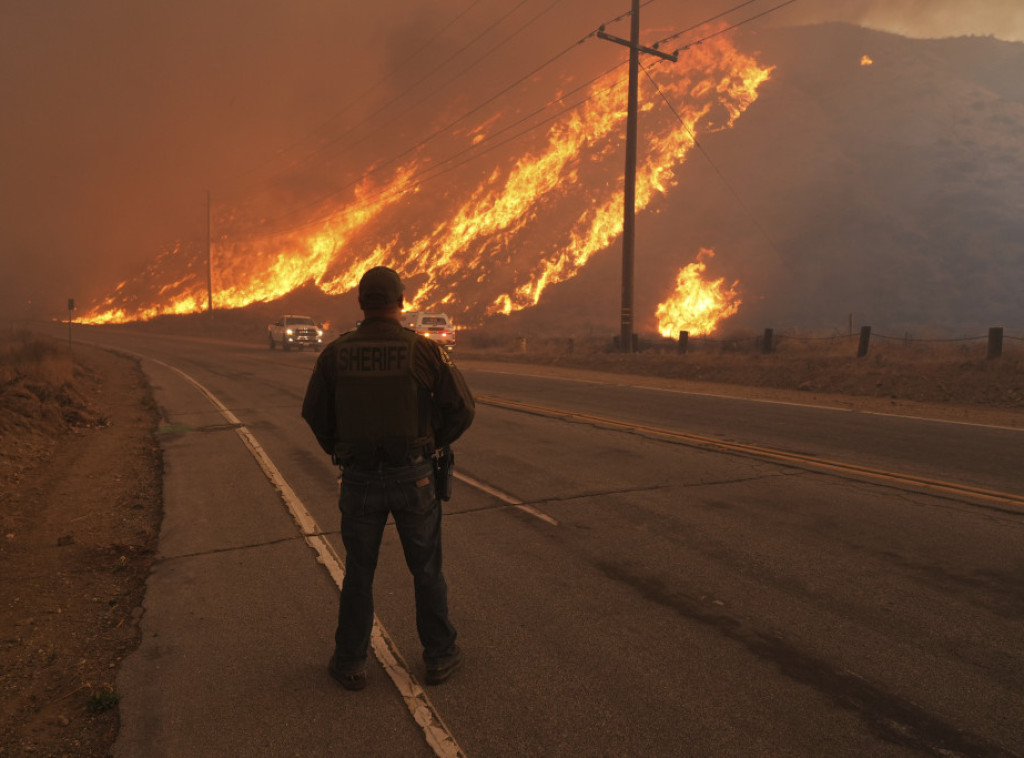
[(674, 57)]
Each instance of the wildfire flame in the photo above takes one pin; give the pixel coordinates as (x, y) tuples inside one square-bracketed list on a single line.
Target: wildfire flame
[(866, 61), (532, 222), (697, 306)]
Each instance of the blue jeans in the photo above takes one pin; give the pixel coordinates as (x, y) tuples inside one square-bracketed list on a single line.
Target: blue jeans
[(366, 499)]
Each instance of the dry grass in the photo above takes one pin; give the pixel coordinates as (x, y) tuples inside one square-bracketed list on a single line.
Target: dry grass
[(928, 371), (936, 371), (37, 360), (40, 390)]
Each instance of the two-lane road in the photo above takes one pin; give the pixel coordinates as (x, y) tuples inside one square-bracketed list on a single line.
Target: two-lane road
[(633, 571)]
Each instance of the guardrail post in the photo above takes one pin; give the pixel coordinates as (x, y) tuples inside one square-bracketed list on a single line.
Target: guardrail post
[(865, 338), (766, 345), (995, 342), (684, 339)]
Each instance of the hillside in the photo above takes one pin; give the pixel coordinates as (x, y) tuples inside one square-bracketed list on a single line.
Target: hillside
[(875, 180), (891, 192)]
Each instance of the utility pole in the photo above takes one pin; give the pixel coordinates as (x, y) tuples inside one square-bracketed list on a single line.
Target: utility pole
[(629, 193), (209, 260)]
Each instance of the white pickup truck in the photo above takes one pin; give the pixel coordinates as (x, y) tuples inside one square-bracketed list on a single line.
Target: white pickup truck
[(435, 326), (295, 331)]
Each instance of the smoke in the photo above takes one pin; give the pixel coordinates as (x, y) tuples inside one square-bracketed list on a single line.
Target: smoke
[(120, 115), (1003, 19), (946, 18)]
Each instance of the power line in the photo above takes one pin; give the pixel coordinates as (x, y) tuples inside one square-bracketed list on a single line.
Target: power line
[(707, 21), (431, 172), (401, 95), (423, 78), (726, 29), (628, 13), (417, 182), (711, 162), (470, 112), (423, 142), (526, 118), (696, 142), (362, 95), (448, 126)]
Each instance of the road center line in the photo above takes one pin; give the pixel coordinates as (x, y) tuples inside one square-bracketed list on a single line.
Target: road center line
[(739, 398), (757, 451), (505, 497), (437, 734)]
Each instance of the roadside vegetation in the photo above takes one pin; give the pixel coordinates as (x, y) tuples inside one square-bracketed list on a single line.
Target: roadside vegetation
[(41, 389), (928, 371), (30, 358), (79, 512)]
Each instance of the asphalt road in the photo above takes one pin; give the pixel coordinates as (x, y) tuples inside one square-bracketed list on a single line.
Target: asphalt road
[(657, 574)]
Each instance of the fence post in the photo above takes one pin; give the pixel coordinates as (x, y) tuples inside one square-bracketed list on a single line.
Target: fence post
[(865, 338), (684, 339), (636, 342), (995, 342), (766, 345), (71, 317)]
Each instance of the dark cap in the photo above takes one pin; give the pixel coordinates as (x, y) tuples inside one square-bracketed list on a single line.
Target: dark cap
[(379, 288)]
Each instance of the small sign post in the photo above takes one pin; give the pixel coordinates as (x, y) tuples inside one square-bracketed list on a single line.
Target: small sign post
[(71, 316)]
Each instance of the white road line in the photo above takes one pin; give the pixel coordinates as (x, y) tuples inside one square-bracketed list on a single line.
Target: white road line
[(945, 421), (437, 734), (506, 498)]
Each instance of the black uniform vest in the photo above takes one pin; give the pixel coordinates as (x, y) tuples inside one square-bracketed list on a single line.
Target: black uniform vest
[(382, 412)]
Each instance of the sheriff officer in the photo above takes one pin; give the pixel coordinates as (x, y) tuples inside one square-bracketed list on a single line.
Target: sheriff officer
[(381, 400)]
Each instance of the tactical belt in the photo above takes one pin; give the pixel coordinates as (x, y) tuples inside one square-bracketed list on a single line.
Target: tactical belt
[(398, 474)]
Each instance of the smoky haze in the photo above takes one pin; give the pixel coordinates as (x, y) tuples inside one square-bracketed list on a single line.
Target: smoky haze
[(919, 18), (121, 115)]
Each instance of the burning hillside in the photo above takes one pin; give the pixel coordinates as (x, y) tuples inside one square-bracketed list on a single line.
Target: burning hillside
[(473, 245)]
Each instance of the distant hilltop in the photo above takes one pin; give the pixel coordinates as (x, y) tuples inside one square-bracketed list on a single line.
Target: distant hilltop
[(877, 178)]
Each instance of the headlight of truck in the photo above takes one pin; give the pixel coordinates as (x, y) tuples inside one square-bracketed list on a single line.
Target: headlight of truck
[(288, 331)]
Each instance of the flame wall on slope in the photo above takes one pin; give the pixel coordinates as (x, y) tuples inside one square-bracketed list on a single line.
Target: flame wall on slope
[(469, 245)]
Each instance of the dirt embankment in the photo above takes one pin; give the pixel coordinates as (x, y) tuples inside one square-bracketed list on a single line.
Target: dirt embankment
[(80, 506)]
